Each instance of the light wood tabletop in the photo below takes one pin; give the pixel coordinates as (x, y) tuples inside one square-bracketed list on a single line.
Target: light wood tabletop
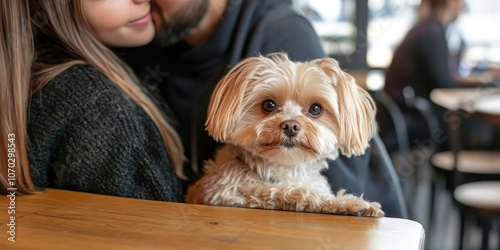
[(469, 161), (483, 99), (58, 219), (476, 79), (481, 102), (480, 194)]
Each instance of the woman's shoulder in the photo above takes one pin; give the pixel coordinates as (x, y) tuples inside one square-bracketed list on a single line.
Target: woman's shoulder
[(428, 27), (81, 78), (76, 126), (79, 85), (79, 92), (421, 33)]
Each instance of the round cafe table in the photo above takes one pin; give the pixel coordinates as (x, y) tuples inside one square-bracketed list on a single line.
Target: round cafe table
[(479, 198), (488, 108), (483, 103)]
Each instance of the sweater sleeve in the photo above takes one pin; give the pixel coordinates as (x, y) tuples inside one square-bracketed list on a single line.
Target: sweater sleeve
[(86, 135)]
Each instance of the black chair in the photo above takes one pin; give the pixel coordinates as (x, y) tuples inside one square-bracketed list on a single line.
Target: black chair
[(475, 184), (456, 167), (423, 109), (478, 201), (392, 122), (394, 134)]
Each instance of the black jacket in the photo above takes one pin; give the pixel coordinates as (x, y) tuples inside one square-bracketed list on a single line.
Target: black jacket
[(420, 61)]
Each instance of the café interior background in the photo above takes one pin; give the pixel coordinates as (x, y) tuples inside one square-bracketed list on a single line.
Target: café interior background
[(363, 34)]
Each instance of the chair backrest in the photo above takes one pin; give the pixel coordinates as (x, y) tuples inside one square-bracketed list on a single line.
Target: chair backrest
[(422, 106), (392, 122), (379, 154)]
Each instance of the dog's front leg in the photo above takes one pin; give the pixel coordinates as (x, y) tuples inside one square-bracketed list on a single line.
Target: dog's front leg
[(306, 199), (349, 204), (282, 197)]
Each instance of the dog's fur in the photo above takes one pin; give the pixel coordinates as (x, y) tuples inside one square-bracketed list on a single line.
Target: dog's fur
[(280, 121)]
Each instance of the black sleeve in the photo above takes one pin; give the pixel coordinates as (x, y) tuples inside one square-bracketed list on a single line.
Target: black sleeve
[(372, 175), (432, 53)]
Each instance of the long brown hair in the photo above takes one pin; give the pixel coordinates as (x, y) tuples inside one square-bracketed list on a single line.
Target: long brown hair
[(63, 21), (16, 54)]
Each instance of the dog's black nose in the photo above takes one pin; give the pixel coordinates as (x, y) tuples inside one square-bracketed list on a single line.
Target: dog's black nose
[(290, 127)]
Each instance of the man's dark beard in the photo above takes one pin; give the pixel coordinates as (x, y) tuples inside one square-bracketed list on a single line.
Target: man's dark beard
[(181, 23)]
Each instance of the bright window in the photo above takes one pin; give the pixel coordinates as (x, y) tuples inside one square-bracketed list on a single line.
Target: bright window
[(389, 21)]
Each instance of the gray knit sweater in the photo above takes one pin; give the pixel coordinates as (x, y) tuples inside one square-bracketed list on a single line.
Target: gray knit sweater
[(86, 135)]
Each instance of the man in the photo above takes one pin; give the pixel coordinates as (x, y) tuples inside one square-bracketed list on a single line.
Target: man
[(199, 40)]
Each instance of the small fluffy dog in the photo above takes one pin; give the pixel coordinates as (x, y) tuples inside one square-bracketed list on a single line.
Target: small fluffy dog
[(280, 121)]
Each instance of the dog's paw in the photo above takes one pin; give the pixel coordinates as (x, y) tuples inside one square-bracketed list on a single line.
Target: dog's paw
[(348, 204), (373, 209), (360, 207)]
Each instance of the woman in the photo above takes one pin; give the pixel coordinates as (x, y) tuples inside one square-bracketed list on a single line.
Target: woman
[(73, 114), (422, 61), (422, 58)]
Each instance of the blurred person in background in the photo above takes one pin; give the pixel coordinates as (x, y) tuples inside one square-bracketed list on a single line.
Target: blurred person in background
[(422, 59)]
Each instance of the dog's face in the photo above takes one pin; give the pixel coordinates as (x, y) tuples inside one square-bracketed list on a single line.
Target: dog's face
[(291, 112)]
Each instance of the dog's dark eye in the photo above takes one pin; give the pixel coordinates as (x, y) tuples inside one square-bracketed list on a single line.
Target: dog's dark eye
[(269, 105), (315, 110)]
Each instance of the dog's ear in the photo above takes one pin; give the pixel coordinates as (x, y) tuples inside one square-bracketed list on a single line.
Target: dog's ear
[(225, 107), (355, 123)]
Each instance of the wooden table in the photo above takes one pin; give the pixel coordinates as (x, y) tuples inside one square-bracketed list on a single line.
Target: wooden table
[(479, 194), (481, 102), (475, 198), (484, 99), (60, 219), (476, 79)]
